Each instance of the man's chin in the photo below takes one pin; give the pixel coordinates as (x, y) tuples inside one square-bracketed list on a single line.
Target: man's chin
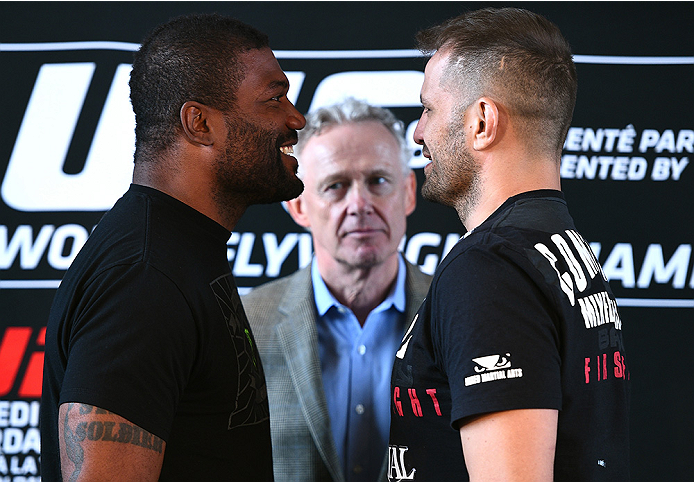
[(435, 192), (294, 189), (429, 191), (277, 191), (365, 258), (291, 188)]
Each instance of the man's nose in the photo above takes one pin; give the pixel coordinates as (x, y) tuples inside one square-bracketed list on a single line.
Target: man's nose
[(418, 135), (359, 200), (295, 119)]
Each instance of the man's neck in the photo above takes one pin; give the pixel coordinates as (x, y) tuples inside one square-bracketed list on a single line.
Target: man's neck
[(360, 289), (495, 189), (198, 196)]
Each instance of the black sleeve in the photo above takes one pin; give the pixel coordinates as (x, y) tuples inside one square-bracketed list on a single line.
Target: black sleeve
[(132, 347), (496, 336)]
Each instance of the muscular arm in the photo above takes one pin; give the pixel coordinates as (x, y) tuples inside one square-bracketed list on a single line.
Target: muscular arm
[(99, 445), (511, 446)]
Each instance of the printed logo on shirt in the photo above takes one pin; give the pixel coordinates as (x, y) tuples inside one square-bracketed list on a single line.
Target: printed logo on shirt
[(604, 367), (397, 468), (610, 362), (576, 278), (492, 362), (575, 275), (491, 368), (420, 408), (406, 339), (251, 399)]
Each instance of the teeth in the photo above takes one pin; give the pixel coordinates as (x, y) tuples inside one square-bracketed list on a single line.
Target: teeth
[(287, 150)]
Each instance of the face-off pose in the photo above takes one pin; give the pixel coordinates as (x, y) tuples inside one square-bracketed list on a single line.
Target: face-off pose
[(327, 334), (151, 371), (518, 345)]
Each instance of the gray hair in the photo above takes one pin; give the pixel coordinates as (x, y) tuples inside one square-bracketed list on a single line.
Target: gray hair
[(353, 111)]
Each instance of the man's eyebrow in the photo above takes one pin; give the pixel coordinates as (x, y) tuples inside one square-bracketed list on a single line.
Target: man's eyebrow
[(327, 181), (283, 84), (342, 174), (380, 171)]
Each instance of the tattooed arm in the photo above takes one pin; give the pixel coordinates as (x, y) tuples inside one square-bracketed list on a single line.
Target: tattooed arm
[(99, 445)]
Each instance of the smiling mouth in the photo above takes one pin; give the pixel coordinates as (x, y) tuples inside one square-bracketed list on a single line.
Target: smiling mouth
[(287, 150)]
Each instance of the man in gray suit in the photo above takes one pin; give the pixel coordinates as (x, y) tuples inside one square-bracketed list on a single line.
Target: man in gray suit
[(328, 334)]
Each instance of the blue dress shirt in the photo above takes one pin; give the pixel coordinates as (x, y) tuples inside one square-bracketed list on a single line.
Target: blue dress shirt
[(356, 364)]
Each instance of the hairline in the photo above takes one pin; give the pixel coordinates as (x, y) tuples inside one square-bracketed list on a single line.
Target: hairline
[(354, 112)]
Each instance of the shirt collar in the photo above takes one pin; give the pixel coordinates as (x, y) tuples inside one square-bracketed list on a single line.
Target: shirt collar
[(325, 300)]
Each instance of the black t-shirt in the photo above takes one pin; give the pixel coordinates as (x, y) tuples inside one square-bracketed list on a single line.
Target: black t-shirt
[(148, 324), (518, 316)]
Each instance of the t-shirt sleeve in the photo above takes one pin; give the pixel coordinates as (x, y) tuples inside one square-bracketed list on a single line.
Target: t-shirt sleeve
[(132, 347), (496, 334)]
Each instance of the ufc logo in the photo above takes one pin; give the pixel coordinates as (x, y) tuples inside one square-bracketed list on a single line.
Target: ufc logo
[(36, 181), (13, 350)]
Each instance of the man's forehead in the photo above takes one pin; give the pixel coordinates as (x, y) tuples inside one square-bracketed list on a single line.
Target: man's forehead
[(436, 66), (368, 137), (438, 81), (262, 69), (354, 163)]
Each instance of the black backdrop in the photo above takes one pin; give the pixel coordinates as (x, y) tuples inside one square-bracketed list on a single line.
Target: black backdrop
[(66, 147)]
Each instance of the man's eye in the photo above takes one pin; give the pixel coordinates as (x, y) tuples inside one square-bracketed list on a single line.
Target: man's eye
[(378, 180), (334, 186)]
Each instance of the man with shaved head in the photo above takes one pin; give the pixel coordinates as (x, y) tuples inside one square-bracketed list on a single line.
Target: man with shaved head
[(151, 371)]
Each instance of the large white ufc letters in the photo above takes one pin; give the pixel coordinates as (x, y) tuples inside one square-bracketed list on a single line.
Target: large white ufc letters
[(36, 179)]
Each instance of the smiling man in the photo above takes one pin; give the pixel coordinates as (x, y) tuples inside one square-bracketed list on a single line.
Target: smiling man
[(151, 371), (328, 333)]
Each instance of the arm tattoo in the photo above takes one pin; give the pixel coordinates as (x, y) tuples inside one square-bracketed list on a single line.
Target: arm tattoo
[(74, 451), (106, 431)]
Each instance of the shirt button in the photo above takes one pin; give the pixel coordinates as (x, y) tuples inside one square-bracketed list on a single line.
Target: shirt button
[(362, 349), (359, 409), (358, 469)]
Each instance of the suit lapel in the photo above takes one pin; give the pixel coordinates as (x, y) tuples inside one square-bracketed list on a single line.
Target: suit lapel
[(416, 288), (298, 338)]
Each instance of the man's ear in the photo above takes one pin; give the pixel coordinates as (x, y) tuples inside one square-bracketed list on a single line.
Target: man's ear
[(295, 207), (484, 114), (200, 123)]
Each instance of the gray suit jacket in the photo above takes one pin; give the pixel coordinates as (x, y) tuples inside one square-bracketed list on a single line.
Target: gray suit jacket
[(283, 315)]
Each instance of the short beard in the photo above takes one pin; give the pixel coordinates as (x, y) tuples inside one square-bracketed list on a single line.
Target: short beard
[(251, 170), (454, 179)]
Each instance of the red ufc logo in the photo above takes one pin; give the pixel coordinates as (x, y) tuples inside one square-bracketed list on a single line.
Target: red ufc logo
[(13, 349)]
